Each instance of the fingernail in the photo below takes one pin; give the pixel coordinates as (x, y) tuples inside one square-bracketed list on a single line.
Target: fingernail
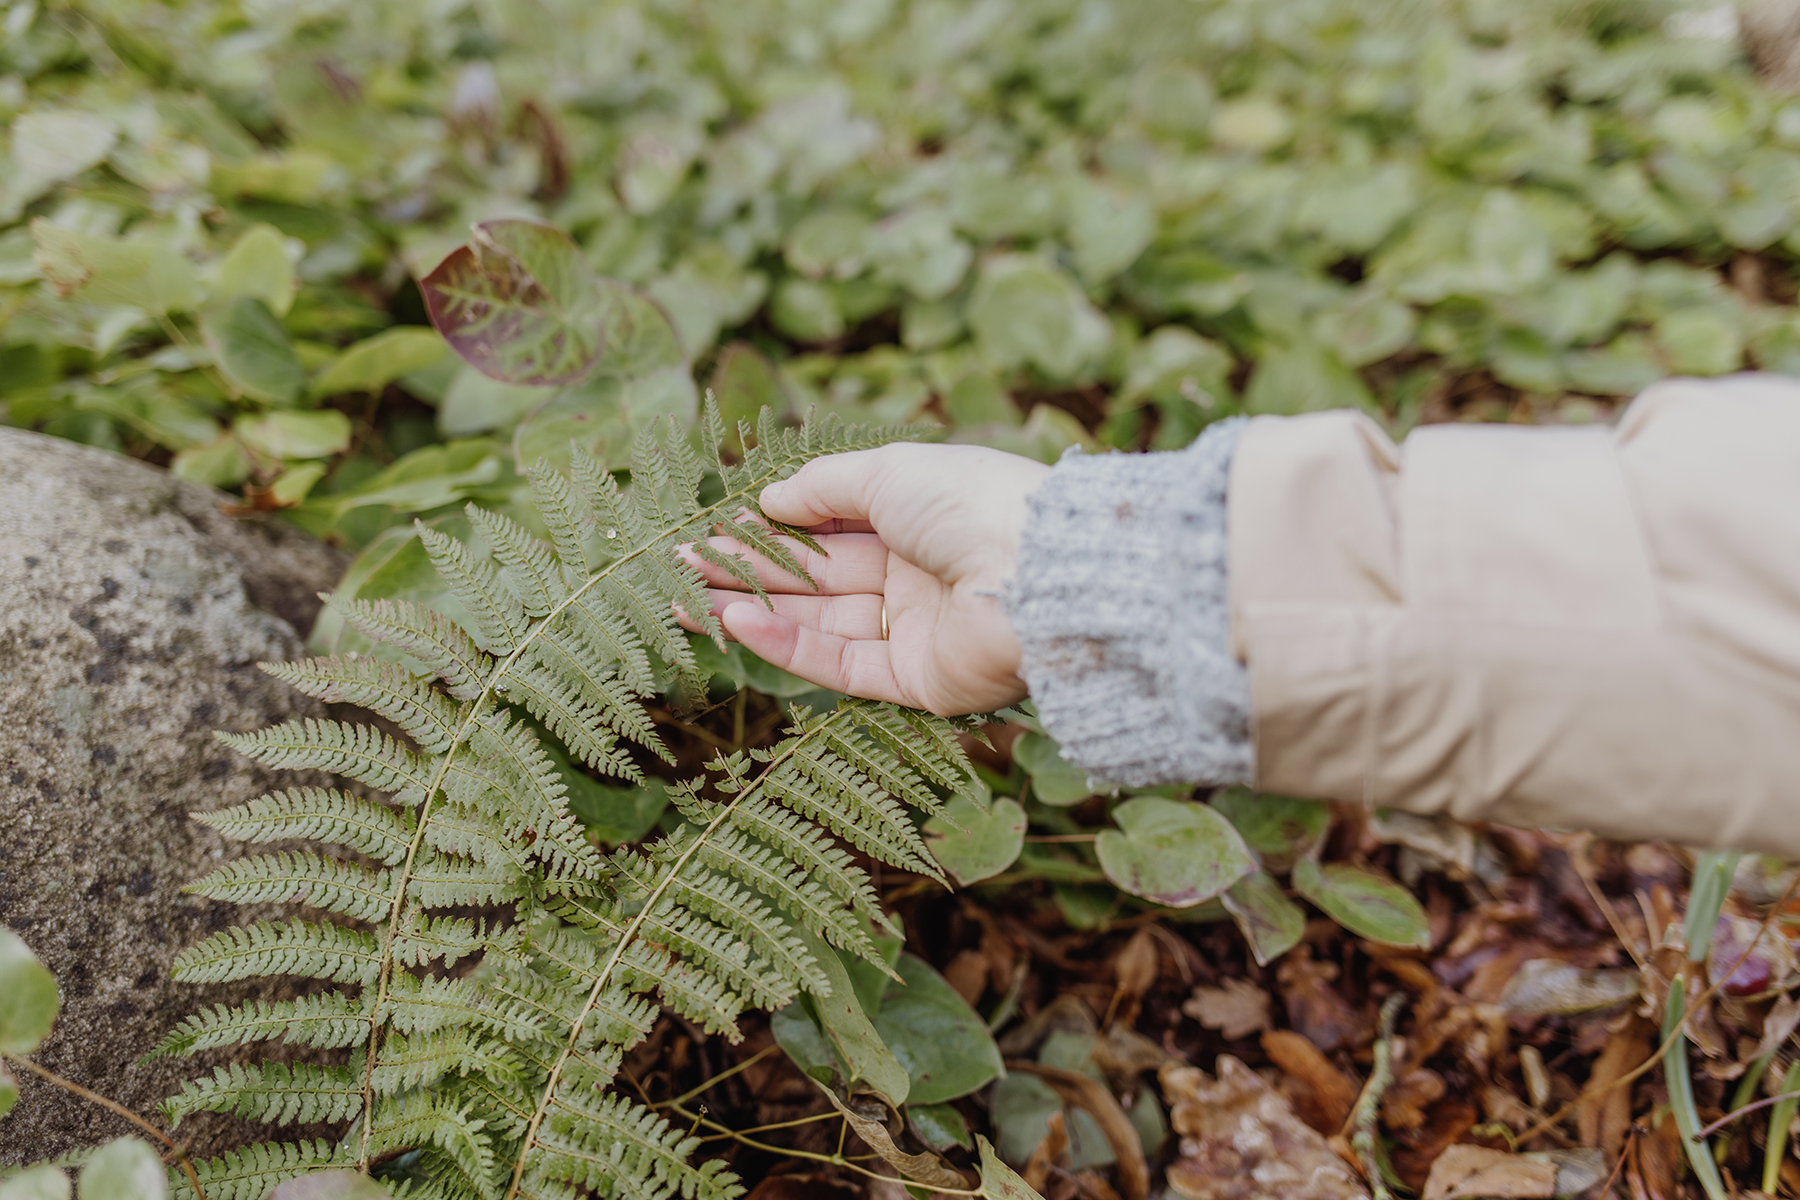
[(774, 491)]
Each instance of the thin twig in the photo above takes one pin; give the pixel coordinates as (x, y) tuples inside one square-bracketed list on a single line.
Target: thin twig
[(1728, 1118), (835, 1160), (824, 1116), (68, 1085), (720, 1077)]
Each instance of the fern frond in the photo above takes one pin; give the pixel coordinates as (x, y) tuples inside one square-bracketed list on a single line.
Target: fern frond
[(330, 1020), (319, 815), (303, 948), (701, 998), (362, 752), (569, 524), (486, 1044), (444, 882), (769, 874), (529, 566), (419, 1004), (609, 637), (430, 637), (823, 786), (274, 1093), (409, 1062), (892, 775), (591, 1140), (422, 1120), (301, 877), (428, 717), (252, 1172), (500, 622), (923, 742)]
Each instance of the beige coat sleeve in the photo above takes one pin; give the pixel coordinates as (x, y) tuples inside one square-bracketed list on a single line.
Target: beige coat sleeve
[(1589, 628)]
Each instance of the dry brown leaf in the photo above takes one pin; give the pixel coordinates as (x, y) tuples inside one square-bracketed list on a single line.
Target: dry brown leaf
[(1314, 1007), (1331, 1093), (967, 973), (1662, 1161), (1241, 1141), (927, 1168), (1406, 1105), (1087, 1093), (1602, 1120), (1135, 971), (1466, 1171), (1048, 1153), (1448, 1123), (1237, 1008)]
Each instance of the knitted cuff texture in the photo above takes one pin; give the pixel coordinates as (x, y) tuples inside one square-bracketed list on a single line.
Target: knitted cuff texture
[(1120, 607)]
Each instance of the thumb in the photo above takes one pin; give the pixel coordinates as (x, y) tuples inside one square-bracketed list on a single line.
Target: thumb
[(838, 486)]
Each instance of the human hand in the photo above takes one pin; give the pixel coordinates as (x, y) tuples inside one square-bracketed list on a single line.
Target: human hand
[(931, 530)]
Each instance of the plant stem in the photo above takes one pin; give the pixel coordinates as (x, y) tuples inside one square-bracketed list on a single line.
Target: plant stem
[(720, 1077), (1368, 1105), (1779, 1120), (1681, 1095), (68, 1085)]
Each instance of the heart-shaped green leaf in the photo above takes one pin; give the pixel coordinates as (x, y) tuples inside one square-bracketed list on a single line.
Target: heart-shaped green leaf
[(987, 844), (330, 1185), (1277, 828), (108, 271), (253, 351), (123, 1169), (1054, 779), (1174, 852), (28, 999), (375, 362), (39, 1183), (257, 266), (520, 303), (1270, 922), (9, 1090), (939, 1126), (1365, 903), (945, 1047)]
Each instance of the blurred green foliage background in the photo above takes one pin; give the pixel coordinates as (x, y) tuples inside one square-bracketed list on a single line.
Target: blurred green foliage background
[(1038, 222)]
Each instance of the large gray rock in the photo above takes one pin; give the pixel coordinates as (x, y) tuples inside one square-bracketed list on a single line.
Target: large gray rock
[(133, 612)]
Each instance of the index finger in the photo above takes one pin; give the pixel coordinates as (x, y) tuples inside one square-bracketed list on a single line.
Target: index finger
[(835, 487)]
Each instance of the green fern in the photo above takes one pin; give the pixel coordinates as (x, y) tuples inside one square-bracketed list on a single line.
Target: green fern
[(489, 1046)]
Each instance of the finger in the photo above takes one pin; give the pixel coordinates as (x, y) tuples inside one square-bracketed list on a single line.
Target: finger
[(852, 563), (853, 617), (837, 486), (840, 525), (858, 668)]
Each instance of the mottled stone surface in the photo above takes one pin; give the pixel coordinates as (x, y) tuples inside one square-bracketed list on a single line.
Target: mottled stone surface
[(133, 612)]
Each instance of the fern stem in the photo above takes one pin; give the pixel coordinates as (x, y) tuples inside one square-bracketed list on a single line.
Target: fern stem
[(403, 877), (630, 933)]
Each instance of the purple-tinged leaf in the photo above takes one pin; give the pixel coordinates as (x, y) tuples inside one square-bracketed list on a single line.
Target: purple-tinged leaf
[(1270, 922), (520, 303), (1365, 903), (1174, 852), (330, 1185)]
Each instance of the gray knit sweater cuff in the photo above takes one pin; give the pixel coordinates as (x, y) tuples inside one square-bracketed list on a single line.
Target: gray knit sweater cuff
[(1120, 608)]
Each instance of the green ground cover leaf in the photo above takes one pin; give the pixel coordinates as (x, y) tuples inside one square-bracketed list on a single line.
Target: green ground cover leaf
[(987, 843), (1364, 903), (28, 997), (1174, 852)]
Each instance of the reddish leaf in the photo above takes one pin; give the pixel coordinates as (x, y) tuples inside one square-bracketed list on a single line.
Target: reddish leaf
[(520, 304)]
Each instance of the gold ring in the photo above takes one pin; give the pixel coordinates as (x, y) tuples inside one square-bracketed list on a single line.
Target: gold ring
[(884, 624)]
